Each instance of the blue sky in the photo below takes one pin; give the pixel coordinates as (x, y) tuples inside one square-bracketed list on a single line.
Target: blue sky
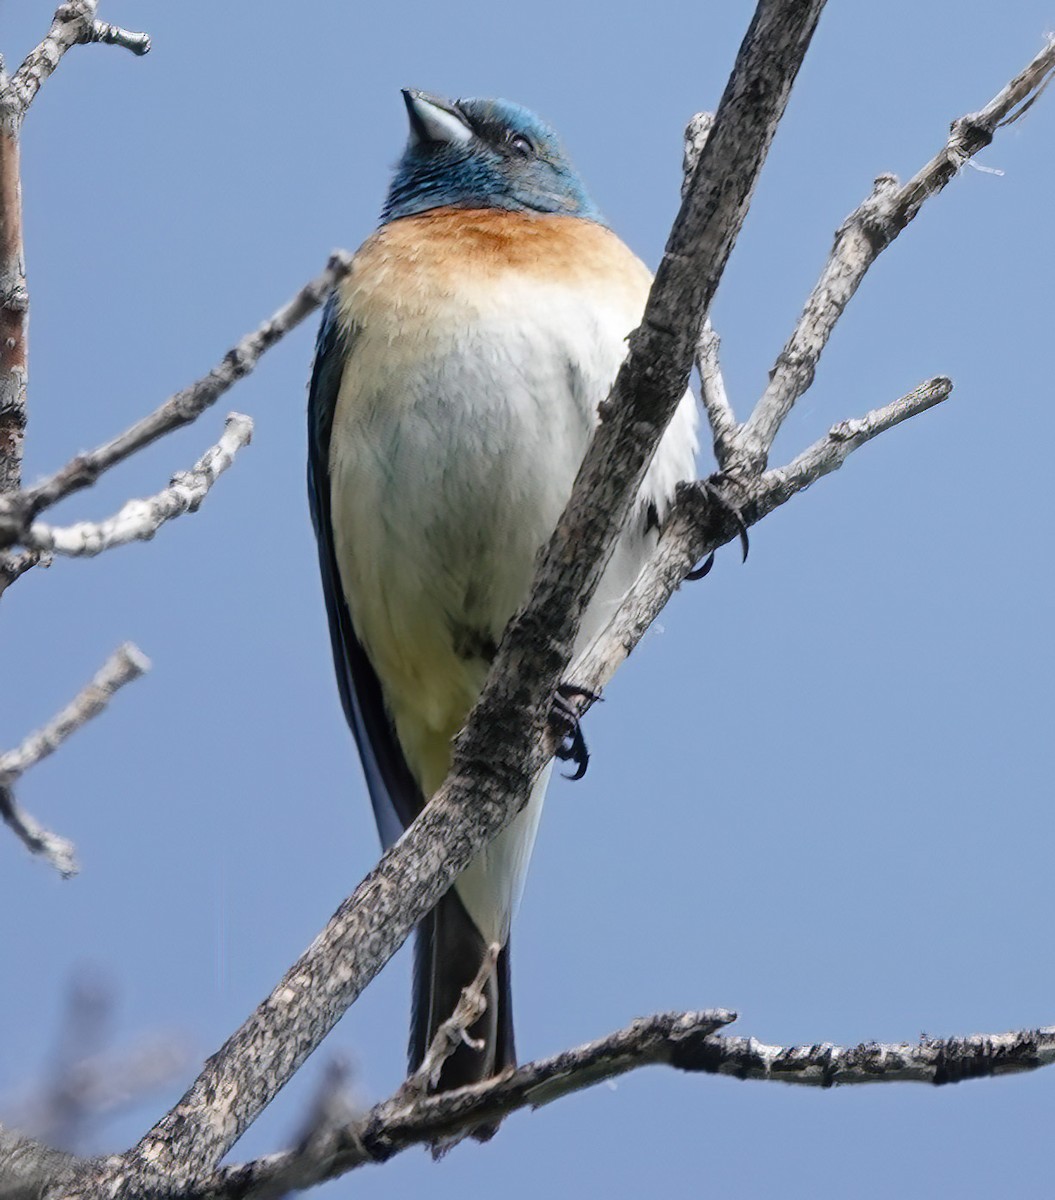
[(819, 793)]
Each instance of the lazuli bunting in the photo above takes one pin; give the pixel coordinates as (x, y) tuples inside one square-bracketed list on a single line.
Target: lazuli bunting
[(457, 375)]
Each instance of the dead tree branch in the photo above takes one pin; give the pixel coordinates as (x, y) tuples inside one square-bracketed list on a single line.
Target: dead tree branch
[(18, 510), (125, 664), (139, 520), (74, 22), (686, 1041)]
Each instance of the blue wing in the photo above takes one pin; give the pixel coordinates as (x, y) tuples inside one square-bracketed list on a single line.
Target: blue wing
[(394, 792)]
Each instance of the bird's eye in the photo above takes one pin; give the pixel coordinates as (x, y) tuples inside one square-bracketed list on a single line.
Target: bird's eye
[(521, 145)]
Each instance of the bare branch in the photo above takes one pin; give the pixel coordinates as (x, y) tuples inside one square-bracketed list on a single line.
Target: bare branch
[(54, 849), (74, 24), (14, 299), (14, 566), (114, 35), (124, 665), (862, 238), (716, 404), (685, 1041), (412, 1119), (139, 520), (28, 1167), (832, 451), (712, 386), (697, 524), (17, 510)]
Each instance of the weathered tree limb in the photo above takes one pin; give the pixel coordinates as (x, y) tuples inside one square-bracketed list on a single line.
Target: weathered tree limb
[(19, 509), (28, 1167), (865, 234), (685, 1041), (139, 520), (696, 526), (74, 22), (124, 665)]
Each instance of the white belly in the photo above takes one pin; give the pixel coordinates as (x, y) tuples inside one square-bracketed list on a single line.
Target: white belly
[(456, 440)]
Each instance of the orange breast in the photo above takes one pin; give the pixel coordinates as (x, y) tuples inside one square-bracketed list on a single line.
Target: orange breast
[(449, 249)]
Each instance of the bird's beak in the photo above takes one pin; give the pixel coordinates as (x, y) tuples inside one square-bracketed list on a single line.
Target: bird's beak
[(433, 119)]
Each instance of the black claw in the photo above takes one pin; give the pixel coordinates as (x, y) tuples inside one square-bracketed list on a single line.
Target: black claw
[(703, 569), (565, 716), (734, 512)]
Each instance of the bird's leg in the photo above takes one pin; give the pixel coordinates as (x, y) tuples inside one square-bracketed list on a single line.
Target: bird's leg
[(564, 716), (730, 508)]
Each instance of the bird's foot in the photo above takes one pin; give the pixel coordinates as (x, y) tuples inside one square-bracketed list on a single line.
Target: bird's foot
[(565, 717), (705, 567)]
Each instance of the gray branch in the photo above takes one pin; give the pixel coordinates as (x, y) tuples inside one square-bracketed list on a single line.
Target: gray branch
[(74, 24), (124, 665), (686, 1041), (139, 520), (18, 510), (866, 233), (114, 35)]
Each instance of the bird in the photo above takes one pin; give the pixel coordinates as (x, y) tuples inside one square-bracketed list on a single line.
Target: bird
[(458, 370)]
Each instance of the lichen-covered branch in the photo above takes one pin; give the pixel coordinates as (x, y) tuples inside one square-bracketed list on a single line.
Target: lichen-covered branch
[(124, 665), (139, 520)]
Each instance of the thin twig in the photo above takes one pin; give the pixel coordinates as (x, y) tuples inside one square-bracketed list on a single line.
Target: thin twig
[(831, 451), (696, 525), (862, 238), (712, 386), (19, 509), (471, 1006), (720, 415), (60, 852), (124, 665), (139, 520)]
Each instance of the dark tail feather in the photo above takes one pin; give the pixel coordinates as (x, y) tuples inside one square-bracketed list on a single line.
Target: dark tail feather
[(448, 952)]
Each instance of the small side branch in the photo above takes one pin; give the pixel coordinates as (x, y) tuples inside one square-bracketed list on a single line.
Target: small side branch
[(74, 24), (831, 451), (139, 520), (716, 404), (114, 35), (124, 665), (865, 234), (19, 509)]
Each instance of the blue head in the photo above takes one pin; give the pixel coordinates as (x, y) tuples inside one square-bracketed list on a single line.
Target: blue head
[(482, 154)]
